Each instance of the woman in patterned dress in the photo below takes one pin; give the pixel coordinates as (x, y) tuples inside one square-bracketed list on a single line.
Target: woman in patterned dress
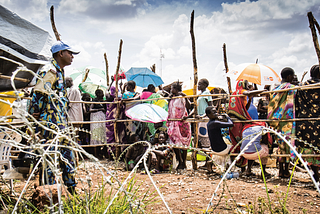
[(307, 106), (281, 107), (179, 131)]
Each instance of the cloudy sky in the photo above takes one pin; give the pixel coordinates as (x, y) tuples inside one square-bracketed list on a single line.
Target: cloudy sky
[(274, 31)]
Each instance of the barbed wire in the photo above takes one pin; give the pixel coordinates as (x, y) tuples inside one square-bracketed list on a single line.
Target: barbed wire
[(48, 154)]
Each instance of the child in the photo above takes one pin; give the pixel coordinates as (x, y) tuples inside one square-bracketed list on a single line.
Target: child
[(134, 153), (162, 157)]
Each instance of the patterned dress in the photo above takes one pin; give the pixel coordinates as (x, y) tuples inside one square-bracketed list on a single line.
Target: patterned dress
[(281, 107), (179, 131), (237, 109), (51, 102), (307, 106), (110, 115), (98, 130)]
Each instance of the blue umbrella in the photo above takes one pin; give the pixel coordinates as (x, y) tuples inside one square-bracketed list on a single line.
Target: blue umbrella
[(143, 77)]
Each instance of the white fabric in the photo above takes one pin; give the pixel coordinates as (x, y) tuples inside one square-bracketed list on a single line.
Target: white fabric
[(75, 109), (224, 152)]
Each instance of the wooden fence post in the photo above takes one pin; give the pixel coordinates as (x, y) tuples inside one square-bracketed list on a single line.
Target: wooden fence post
[(312, 22), (107, 68), (195, 82), (226, 66), (57, 35), (116, 135)]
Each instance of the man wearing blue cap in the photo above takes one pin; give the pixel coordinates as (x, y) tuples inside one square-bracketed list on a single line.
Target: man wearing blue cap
[(49, 106)]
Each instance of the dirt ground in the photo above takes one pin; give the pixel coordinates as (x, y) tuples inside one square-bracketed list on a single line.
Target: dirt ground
[(190, 191)]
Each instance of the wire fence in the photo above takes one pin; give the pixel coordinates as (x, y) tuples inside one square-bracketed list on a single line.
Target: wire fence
[(48, 154)]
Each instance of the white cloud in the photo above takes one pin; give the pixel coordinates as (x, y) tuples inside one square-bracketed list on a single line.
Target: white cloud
[(124, 2), (275, 32), (103, 9), (263, 10), (73, 6), (32, 10)]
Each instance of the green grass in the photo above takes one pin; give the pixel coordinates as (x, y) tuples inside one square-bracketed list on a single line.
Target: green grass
[(94, 201)]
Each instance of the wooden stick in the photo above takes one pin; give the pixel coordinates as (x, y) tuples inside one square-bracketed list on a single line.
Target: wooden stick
[(86, 74), (195, 82), (16, 78), (118, 104), (107, 68), (303, 75), (55, 31), (314, 34), (226, 66), (153, 68), (316, 24)]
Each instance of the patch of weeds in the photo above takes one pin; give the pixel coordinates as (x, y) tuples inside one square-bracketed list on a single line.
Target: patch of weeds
[(94, 201), (8, 201), (135, 201)]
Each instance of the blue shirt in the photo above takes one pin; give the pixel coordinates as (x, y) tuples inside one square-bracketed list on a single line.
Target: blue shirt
[(253, 112), (254, 145)]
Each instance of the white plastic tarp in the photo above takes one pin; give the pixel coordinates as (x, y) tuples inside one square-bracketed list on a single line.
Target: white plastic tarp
[(23, 39)]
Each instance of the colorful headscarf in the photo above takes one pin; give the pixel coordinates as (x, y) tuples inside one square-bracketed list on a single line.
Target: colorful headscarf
[(237, 105)]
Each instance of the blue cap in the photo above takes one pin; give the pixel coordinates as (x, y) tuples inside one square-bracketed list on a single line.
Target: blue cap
[(60, 46)]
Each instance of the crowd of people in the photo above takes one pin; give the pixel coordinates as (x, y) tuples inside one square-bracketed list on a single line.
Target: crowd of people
[(222, 134)]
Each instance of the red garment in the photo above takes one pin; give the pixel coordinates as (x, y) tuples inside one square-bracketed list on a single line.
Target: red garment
[(121, 75), (237, 109)]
